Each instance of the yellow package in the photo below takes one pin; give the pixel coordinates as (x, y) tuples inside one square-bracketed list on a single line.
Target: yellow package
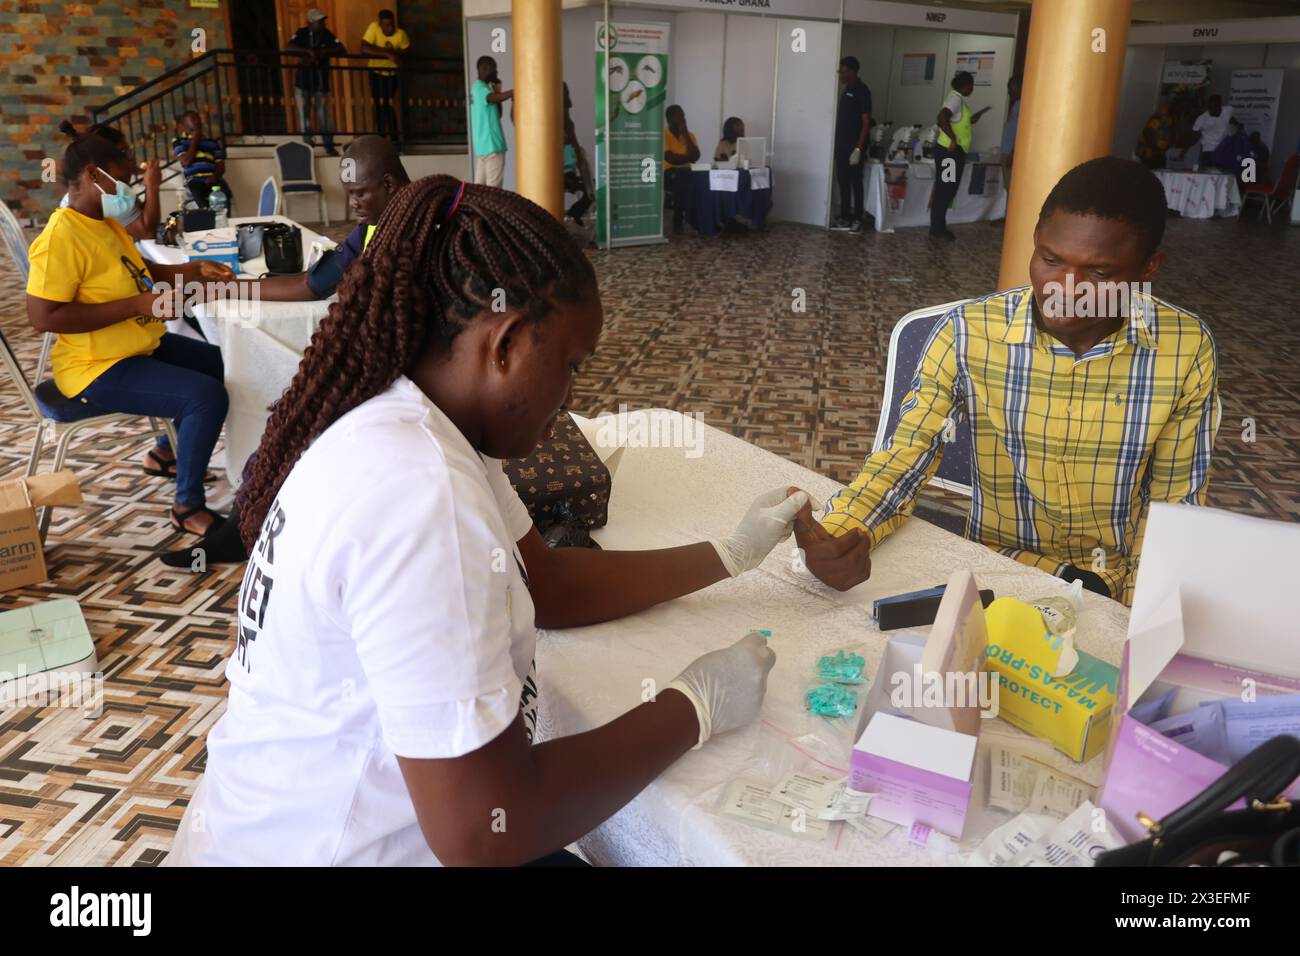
[(1071, 712)]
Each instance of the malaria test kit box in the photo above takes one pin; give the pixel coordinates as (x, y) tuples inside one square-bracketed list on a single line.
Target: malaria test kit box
[(1216, 617), (1072, 711), (220, 245), (22, 556), (920, 721)]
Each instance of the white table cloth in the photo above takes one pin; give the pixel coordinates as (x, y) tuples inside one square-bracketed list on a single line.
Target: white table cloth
[(1200, 195), (913, 209), (261, 343), (261, 352), (590, 675)]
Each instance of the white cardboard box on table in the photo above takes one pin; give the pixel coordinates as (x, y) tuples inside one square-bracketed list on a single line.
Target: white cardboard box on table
[(920, 721), (1216, 609)]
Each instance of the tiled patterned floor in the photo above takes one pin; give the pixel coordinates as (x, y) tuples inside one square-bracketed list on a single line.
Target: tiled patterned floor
[(698, 325)]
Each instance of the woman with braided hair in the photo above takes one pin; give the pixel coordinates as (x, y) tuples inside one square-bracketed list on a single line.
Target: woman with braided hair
[(382, 698)]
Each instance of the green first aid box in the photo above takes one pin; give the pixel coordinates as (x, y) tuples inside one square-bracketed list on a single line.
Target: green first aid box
[(46, 637)]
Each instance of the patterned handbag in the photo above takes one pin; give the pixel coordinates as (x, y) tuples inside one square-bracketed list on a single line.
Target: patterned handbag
[(564, 485)]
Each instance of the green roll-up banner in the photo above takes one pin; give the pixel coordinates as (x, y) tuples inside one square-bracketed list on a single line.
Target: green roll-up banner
[(632, 73)]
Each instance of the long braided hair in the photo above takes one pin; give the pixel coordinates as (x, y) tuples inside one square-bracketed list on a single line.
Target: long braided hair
[(433, 265)]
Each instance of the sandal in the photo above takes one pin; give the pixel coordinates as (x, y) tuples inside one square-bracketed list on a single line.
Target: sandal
[(167, 469), (180, 519)]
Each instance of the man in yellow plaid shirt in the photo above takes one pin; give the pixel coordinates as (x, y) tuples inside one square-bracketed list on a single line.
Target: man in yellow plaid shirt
[(1084, 405)]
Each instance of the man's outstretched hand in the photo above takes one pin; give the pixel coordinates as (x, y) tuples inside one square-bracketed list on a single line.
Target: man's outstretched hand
[(843, 562)]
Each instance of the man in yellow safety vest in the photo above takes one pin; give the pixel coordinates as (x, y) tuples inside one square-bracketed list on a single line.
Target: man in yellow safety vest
[(950, 149)]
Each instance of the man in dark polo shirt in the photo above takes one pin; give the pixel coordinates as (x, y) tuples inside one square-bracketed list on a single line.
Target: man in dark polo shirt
[(317, 45), (372, 174), (852, 124)]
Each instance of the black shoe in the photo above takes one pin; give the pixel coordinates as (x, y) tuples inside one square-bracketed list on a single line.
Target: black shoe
[(221, 545), (945, 235), (331, 151), (841, 225)]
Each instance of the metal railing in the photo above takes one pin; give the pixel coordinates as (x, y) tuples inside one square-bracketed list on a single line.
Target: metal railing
[(246, 97)]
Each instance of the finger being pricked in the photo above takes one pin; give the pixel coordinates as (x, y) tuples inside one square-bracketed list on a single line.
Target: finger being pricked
[(804, 522)]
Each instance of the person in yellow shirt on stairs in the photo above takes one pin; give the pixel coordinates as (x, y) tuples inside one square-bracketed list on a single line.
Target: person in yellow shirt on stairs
[(387, 41)]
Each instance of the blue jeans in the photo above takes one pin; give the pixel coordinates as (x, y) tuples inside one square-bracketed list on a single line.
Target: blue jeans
[(181, 380), (316, 102)]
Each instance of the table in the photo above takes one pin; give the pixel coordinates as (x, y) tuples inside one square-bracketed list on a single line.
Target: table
[(261, 355), (251, 269), (707, 206), (261, 344), (898, 194), (1200, 195), (587, 676)]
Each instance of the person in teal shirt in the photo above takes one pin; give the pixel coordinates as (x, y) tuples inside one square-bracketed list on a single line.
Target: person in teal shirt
[(485, 99)]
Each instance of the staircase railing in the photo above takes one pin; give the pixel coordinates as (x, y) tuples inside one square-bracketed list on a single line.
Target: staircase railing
[(246, 97)]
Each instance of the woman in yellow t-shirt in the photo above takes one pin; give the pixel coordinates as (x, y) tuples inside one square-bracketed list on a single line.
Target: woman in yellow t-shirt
[(109, 308)]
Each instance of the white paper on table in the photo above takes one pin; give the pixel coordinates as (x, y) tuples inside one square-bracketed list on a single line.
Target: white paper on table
[(760, 178), (609, 455), (724, 180)]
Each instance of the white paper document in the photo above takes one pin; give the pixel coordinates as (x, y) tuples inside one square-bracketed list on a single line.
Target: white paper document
[(724, 180)]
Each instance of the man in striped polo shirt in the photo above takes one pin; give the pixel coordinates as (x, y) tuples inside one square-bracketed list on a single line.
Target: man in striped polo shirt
[(202, 159), (1087, 398)]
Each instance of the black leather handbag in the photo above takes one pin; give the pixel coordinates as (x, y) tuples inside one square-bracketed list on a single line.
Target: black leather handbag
[(564, 485), (1203, 832), (282, 244)]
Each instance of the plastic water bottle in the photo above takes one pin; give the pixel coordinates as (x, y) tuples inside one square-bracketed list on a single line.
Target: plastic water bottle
[(218, 205)]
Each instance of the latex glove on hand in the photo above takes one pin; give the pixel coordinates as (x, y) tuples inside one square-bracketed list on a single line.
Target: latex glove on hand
[(842, 562), (767, 523), (726, 687), (855, 157)]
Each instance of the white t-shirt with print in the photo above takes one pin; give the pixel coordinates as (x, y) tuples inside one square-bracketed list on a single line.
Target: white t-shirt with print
[(384, 612), (1212, 128)]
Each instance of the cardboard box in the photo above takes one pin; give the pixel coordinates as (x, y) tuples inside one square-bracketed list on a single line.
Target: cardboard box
[(919, 773), (1071, 712), (22, 558), (920, 722), (1215, 603), (220, 245)]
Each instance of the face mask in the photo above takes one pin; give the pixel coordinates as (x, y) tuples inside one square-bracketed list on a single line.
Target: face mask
[(119, 204)]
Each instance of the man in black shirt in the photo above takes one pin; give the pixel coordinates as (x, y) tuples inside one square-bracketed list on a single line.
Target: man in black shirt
[(316, 44), (852, 123)]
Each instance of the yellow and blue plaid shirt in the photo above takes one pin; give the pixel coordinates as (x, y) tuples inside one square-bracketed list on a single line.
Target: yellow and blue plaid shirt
[(1067, 451)]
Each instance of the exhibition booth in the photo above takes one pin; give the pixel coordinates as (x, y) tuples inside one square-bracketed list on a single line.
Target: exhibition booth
[(1254, 65), (774, 67)]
